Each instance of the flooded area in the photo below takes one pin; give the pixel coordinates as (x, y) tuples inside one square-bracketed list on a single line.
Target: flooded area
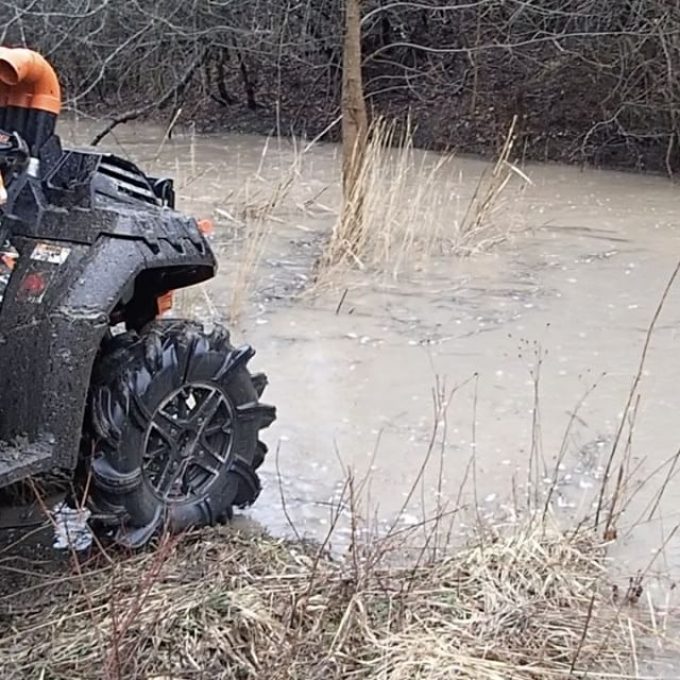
[(353, 365), (354, 381)]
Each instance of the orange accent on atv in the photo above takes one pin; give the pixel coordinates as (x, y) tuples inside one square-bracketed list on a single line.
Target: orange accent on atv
[(206, 227), (164, 302)]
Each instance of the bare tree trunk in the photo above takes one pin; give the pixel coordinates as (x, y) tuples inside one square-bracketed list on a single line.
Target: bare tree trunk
[(354, 117), (248, 84)]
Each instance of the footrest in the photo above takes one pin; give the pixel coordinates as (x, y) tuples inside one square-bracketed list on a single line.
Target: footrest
[(21, 459)]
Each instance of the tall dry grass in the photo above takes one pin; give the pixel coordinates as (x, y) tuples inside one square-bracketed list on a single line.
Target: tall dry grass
[(412, 207), (487, 219), (245, 219), (257, 213), (526, 604)]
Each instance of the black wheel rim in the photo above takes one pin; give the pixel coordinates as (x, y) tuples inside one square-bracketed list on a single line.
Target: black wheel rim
[(188, 443)]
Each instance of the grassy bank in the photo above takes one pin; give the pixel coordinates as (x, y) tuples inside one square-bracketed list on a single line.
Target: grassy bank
[(524, 602)]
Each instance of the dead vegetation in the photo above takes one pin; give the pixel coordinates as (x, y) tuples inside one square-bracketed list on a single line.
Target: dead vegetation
[(412, 209), (523, 603), (488, 219), (245, 219), (256, 212)]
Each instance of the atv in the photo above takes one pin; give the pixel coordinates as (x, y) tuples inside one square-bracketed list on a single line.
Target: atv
[(158, 419)]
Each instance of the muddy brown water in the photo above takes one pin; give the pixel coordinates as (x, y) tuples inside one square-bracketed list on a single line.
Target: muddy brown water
[(354, 386)]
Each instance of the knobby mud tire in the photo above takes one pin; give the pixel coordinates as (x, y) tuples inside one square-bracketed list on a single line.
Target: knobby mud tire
[(132, 379)]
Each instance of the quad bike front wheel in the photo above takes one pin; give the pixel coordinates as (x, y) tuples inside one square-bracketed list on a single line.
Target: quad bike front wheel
[(174, 421)]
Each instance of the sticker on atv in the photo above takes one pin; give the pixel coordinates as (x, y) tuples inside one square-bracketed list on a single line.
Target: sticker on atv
[(33, 287), (46, 252)]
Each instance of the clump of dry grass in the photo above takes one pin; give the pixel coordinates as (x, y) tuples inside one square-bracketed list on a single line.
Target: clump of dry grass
[(406, 207), (530, 602), (258, 215), (251, 212), (488, 209), (256, 233)]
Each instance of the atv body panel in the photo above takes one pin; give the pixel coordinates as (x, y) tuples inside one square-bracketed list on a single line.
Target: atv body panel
[(97, 240)]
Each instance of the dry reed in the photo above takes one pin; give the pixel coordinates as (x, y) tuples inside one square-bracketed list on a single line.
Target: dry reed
[(258, 215), (407, 207), (486, 220), (527, 602), (250, 213)]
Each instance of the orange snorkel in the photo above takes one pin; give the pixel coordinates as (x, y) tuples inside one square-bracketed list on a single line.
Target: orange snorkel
[(30, 101), (27, 81)]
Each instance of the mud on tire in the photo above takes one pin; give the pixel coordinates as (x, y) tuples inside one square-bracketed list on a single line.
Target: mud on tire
[(173, 423)]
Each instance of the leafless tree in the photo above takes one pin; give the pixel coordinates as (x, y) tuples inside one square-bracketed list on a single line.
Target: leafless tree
[(590, 81)]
